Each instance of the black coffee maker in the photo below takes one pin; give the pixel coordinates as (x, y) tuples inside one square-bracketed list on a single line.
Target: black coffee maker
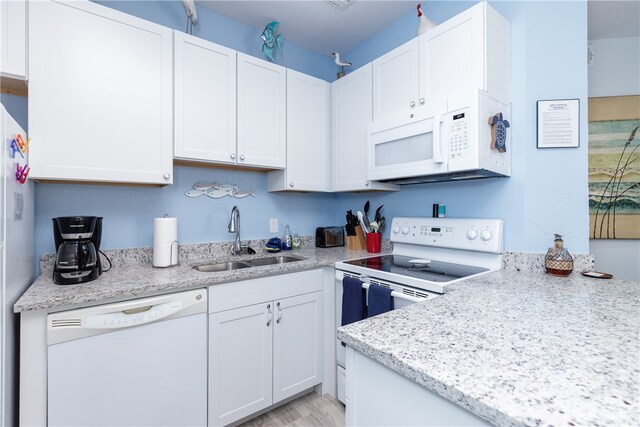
[(77, 241)]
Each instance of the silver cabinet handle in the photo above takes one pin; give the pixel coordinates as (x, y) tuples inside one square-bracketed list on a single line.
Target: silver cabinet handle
[(411, 115), (270, 315), (241, 156), (167, 175), (412, 104), (366, 183), (291, 184), (279, 313), (421, 101), (233, 155)]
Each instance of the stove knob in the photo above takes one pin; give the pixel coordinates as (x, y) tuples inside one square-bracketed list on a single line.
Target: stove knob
[(396, 229), (472, 234), (405, 229), (486, 235)]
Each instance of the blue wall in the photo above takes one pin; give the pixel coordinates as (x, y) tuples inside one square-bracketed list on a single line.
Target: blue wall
[(129, 211), (17, 107), (228, 32), (547, 192)]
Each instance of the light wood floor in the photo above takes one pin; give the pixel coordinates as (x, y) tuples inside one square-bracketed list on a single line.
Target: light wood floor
[(309, 410)]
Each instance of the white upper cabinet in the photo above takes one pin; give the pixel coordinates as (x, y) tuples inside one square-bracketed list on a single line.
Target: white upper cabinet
[(262, 97), (469, 51), (100, 95), (308, 132), (205, 100), (13, 39), (351, 113), (396, 81)]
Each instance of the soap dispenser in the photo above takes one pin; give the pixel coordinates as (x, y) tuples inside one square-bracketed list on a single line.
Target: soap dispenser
[(558, 261)]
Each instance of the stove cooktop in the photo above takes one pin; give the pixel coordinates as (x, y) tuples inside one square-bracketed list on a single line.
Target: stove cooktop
[(424, 269)]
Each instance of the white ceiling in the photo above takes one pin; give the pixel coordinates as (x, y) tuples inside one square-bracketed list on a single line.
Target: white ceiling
[(613, 19), (317, 25)]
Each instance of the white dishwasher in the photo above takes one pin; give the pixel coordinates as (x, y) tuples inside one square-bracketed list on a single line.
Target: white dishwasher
[(135, 363)]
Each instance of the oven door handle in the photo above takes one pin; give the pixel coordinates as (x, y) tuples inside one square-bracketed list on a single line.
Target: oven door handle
[(340, 275)]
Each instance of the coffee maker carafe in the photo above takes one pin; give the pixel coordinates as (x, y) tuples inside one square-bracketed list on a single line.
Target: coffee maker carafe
[(77, 240)]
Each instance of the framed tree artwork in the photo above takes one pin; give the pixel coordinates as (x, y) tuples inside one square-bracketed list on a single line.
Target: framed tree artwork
[(614, 167)]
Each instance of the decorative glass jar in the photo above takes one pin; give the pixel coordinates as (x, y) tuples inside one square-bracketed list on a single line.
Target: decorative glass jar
[(558, 261)]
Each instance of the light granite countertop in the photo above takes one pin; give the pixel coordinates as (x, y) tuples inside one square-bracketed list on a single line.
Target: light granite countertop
[(519, 348), (133, 275)]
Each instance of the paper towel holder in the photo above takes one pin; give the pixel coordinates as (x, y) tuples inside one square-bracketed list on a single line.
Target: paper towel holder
[(171, 263)]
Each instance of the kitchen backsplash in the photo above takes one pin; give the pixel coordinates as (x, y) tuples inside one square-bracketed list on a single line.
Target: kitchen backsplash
[(511, 261), (187, 253), (534, 262)]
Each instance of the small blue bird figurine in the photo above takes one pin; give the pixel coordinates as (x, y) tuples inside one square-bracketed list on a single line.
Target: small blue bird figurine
[(270, 40)]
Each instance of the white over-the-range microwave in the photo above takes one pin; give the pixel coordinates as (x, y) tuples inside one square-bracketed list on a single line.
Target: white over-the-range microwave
[(443, 140)]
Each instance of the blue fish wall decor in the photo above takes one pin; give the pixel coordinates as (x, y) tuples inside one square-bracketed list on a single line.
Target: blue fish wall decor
[(271, 40)]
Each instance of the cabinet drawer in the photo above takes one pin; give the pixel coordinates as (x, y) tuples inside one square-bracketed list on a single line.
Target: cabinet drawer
[(231, 295)]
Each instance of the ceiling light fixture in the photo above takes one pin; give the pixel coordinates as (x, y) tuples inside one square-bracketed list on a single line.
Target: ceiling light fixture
[(341, 5)]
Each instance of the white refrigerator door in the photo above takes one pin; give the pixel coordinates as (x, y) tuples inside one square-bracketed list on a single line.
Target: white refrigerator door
[(150, 375), (16, 274)]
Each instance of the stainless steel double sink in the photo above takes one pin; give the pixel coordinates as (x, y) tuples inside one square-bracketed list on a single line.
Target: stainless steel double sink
[(235, 265)]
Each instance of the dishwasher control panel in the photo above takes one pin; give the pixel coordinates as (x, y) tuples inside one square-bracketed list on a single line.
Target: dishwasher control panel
[(133, 317), (85, 322)]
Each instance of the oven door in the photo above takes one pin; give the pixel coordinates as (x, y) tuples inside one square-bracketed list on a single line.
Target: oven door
[(400, 149), (406, 296)]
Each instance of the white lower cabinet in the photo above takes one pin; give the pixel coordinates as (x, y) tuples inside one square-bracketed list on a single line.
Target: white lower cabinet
[(297, 345), (261, 353), (240, 360)]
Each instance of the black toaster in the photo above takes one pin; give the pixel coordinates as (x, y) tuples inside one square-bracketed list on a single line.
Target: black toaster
[(329, 237)]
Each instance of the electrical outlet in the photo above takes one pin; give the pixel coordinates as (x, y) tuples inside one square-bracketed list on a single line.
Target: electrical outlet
[(273, 225)]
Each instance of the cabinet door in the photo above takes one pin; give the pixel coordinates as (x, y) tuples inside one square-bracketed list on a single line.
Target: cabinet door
[(452, 56), (13, 39), (205, 100), (262, 96), (307, 132), (100, 95), (351, 114), (240, 362), (297, 341), (395, 81)]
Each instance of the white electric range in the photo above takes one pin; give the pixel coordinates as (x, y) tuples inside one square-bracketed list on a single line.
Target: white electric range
[(428, 255)]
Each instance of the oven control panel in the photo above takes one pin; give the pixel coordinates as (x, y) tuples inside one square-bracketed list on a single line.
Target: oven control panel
[(484, 235)]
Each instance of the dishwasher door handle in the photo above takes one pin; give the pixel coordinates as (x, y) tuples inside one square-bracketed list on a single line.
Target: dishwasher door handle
[(137, 310)]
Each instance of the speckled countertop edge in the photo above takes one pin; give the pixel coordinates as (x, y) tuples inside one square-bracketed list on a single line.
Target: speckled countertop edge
[(519, 349)]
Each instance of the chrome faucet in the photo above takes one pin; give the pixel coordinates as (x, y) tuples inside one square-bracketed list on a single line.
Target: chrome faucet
[(234, 227)]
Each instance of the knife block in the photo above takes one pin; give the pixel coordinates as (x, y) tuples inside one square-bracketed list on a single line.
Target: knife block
[(357, 242)]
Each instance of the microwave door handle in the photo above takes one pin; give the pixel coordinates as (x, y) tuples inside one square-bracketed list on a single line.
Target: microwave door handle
[(437, 147)]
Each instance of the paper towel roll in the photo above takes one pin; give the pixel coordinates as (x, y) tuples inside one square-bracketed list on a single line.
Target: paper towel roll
[(165, 242)]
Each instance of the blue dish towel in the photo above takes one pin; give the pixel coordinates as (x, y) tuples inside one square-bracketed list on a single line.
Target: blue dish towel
[(380, 300), (353, 301)]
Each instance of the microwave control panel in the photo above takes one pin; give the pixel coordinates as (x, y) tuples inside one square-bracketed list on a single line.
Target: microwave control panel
[(459, 146)]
